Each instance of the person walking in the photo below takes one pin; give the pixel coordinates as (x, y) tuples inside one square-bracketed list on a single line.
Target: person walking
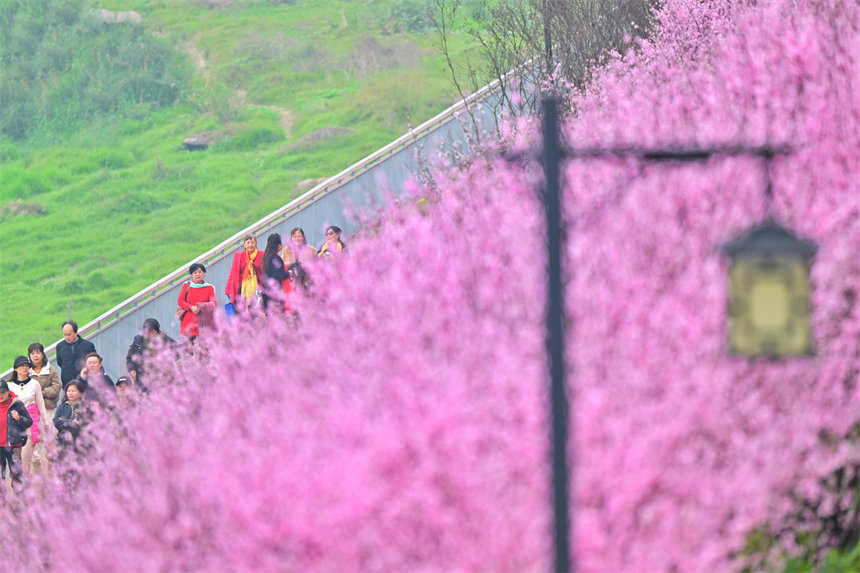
[(246, 272), (71, 352), (48, 378), (196, 297), (70, 419), (297, 257), (14, 421), (150, 339), (29, 393), (277, 279), (94, 381)]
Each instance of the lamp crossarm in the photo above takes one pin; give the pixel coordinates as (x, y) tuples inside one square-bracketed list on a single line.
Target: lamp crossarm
[(667, 154)]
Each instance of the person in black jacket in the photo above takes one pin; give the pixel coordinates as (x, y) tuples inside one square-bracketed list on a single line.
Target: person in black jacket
[(72, 352), (14, 421), (94, 381), (70, 419), (277, 279), (142, 345), (72, 415)]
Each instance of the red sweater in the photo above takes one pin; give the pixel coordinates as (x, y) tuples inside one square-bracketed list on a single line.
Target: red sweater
[(190, 296)]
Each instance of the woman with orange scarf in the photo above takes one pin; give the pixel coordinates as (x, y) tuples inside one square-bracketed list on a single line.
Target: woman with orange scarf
[(246, 274)]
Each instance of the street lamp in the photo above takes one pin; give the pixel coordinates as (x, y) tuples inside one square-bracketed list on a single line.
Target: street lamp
[(769, 293), (769, 276)]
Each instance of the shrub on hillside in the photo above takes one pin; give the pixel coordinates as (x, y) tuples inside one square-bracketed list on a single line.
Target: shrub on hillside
[(251, 135), (62, 66)]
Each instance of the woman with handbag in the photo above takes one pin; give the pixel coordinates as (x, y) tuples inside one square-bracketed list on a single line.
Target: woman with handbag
[(196, 297), (29, 392)]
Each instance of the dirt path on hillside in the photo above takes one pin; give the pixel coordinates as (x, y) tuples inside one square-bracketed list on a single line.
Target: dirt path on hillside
[(285, 117), (198, 60)]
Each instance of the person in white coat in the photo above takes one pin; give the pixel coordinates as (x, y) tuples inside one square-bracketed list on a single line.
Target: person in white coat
[(29, 392)]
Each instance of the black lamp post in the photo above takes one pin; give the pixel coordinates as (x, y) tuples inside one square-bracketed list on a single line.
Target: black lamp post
[(555, 335)]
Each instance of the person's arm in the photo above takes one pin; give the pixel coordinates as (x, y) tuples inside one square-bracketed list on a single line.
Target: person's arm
[(86, 348), (288, 256), (135, 348), (232, 286), (40, 403), (61, 416), (212, 298), (52, 390), (134, 356), (22, 419), (258, 266), (182, 296)]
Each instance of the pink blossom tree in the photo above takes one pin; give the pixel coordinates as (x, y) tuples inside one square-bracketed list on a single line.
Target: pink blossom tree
[(400, 424)]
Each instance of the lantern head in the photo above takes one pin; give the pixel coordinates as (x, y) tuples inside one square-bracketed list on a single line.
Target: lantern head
[(769, 293)]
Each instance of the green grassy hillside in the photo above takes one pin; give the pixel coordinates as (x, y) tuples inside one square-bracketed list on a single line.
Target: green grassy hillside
[(98, 198)]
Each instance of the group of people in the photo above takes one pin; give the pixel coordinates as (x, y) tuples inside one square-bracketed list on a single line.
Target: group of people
[(41, 405), (269, 276)]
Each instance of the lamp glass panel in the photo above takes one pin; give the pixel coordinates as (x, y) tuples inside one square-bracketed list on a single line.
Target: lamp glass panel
[(770, 307), (769, 302)]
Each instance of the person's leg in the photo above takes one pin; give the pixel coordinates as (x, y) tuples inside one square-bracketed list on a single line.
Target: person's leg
[(44, 458), (15, 470), (40, 450), (27, 454), (5, 461)]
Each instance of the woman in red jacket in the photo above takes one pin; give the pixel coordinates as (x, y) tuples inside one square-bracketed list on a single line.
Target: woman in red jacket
[(246, 274), (196, 297)]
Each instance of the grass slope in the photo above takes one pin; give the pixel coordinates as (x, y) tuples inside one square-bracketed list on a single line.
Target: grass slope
[(124, 204)]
